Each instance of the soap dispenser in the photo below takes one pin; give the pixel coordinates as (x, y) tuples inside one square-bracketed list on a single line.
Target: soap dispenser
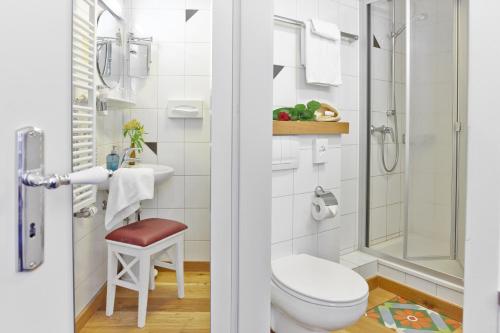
[(113, 159)]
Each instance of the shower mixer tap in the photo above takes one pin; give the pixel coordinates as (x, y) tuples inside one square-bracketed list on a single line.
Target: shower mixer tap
[(384, 130)]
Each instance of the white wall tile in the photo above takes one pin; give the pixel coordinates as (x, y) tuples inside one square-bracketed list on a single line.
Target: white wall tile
[(282, 219), (198, 130), (197, 191), (198, 222), (198, 88), (172, 154), (393, 188), (280, 250), (349, 58), (171, 193), (170, 88), (328, 245), (367, 270), (286, 46), (421, 284), (303, 223), (155, 4), (284, 87), (378, 222), (348, 97), (307, 9), (171, 59), (172, 214), (170, 129), (307, 244), (286, 8), (282, 182), (198, 59), (198, 28), (349, 162), (197, 159), (348, 231), (148, 117), (349, 203), (348, 19), (146, 93), (328, 173), (198, 4), (391, 273), (171, 25), (328, 10), (197, 250), (352, 117), (305, 177), (393, 219), (450, 295), (378, 191)]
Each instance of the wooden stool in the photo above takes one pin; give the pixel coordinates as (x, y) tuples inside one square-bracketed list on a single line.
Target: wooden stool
[(146, 241)]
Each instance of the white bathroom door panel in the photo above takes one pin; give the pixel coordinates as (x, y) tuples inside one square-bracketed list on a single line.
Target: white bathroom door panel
[(35, 90)]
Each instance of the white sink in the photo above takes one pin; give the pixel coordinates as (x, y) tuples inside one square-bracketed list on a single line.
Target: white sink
[(161, 173)]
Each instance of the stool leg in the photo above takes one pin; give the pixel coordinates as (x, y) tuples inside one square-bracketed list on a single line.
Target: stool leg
[(179, 266), (111, 287), (152, 283), (144, 277)]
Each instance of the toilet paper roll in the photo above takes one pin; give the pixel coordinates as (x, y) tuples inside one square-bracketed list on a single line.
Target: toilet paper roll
[(320, 211)]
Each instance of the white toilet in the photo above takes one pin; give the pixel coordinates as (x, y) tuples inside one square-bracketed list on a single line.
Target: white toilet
[(310, 294)]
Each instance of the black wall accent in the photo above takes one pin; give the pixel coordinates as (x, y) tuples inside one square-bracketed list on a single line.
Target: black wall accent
[(375, 42), (190, 13), (153, 146), (277, 69)]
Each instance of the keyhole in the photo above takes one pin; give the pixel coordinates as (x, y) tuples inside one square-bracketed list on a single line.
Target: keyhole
[(32, 230)]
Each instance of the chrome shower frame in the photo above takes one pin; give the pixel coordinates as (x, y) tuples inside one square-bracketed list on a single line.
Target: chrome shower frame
[(459, 145)]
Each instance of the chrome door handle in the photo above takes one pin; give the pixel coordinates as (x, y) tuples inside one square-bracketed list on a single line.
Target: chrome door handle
[(95, 175), (30, 194)]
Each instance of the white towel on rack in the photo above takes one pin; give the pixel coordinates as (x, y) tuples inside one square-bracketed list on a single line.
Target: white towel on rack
[(322, 53), (127, 188)]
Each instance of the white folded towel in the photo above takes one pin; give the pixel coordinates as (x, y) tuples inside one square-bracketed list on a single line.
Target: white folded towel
[(322, 53), (127, 188)]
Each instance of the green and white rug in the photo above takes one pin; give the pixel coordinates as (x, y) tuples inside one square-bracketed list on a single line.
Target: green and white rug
[(406, 317)]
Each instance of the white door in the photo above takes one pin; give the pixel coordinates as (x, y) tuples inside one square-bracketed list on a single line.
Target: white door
[(35, 90)]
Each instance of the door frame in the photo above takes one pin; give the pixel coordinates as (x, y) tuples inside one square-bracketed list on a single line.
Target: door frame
[(241, 153)]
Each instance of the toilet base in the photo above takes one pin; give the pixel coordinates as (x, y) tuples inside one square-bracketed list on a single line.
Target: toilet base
[(282, 323)]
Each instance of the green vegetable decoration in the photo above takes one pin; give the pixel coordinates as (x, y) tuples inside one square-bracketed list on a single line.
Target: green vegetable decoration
[(298, 112)]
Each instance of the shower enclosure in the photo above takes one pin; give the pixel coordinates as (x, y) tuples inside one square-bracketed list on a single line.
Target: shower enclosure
[(415, 134)]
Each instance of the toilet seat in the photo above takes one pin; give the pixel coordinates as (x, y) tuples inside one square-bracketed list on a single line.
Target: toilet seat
[(319, 281)]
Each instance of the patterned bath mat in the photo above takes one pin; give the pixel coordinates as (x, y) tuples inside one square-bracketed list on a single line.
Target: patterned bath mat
[(404, 316)]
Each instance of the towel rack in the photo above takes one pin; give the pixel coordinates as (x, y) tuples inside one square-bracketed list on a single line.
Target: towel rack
[(298, 23)]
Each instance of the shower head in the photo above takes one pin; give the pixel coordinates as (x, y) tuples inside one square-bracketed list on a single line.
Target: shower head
[(417, 17)]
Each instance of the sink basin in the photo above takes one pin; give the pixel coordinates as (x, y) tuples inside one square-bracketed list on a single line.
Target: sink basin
[(161, 173)]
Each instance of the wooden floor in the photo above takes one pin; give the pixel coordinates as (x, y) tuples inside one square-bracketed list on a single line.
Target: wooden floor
[(167, 314)]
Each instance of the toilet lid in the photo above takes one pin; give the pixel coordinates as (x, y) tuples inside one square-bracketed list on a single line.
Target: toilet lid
[(319, 279)]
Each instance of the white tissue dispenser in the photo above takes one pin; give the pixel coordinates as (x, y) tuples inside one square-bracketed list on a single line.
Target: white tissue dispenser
[(324, 204), (185, 109)]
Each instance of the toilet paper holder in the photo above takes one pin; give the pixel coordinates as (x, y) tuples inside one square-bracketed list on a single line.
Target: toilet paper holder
[(327, 196)]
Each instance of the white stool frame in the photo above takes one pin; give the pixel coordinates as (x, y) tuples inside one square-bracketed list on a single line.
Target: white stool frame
[(147, 257)]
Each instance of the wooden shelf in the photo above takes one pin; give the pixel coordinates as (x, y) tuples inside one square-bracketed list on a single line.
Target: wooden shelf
[(309, 127)]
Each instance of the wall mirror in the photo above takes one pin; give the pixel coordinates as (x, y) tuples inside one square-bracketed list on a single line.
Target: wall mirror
[(109, 49)]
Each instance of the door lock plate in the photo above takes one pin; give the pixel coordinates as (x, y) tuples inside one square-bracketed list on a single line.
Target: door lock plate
[(30, 215)]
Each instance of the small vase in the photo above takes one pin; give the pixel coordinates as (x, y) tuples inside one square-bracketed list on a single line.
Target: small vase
[(132, 154)]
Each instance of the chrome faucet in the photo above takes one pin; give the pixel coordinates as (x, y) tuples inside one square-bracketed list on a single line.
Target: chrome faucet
[(384, 130), (126, 156)]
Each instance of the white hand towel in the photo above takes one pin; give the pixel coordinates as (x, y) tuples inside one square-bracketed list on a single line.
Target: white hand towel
[(322, 53), (127, 188)]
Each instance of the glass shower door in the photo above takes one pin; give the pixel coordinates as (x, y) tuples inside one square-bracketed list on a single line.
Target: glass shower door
[(431, 134)]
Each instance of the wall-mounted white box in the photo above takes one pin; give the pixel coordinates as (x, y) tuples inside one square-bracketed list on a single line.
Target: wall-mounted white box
[(185, 109)]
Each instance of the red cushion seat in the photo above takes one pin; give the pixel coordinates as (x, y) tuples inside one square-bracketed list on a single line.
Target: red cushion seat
[(146, 232)]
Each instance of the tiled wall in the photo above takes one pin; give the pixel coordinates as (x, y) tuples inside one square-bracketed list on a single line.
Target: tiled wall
[(386, 189), (180, 70), (294, 230), (181, 32)]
